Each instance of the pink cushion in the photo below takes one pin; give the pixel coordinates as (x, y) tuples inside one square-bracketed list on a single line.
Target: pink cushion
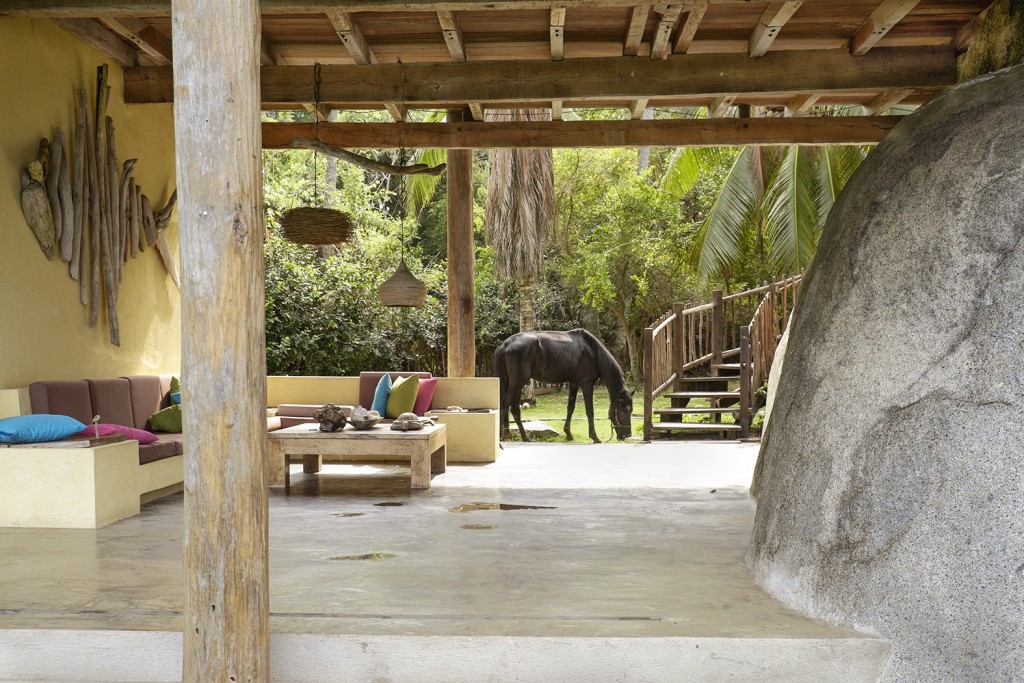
[(140, 435), (424, 396)]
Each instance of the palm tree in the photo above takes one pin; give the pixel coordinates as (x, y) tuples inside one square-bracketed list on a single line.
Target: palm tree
[(519, 212), (780, 195)]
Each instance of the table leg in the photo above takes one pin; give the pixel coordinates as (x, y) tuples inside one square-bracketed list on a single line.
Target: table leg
[(439, 460), (420, 466), (277, 465), (311, 464)]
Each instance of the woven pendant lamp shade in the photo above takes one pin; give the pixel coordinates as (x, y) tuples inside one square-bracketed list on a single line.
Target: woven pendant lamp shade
[(402, 289), (314, 225)]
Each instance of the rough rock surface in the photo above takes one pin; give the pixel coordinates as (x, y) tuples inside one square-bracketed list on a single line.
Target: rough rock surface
[(890, 484)]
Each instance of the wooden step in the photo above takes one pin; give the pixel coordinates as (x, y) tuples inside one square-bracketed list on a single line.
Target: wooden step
[(696, 427), (703, 394), (695, 411), (719, 379)]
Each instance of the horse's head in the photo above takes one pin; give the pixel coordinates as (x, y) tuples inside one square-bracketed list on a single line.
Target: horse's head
[(620, 412)]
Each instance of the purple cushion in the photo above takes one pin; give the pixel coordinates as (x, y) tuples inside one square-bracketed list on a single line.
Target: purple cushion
[(424, 396), (140, 435)]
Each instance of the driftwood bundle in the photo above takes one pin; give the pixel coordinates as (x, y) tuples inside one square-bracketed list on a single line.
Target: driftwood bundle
[(313, 225)]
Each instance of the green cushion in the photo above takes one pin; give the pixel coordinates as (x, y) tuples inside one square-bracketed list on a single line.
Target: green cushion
[(166, 420), (402, 398)]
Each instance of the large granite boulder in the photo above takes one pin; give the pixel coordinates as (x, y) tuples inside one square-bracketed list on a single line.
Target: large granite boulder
[(890, 485)]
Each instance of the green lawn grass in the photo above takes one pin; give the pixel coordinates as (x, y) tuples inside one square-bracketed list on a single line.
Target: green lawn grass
[(551, 408)]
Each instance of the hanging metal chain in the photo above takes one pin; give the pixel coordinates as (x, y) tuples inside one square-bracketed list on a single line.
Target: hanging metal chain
[(316, 130)]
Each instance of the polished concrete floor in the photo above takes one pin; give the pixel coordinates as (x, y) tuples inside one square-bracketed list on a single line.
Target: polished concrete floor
[(550, 541)]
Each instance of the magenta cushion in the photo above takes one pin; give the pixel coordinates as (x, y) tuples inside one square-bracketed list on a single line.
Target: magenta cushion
[(424, 396), (140, 435)]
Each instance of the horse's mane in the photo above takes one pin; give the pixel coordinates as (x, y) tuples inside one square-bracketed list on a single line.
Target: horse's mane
[(607, 366)]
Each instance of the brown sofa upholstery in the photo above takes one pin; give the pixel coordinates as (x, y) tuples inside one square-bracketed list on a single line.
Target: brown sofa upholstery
[(127, 401)]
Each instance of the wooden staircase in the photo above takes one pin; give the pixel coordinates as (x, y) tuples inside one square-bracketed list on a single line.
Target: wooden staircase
[(709, 361)]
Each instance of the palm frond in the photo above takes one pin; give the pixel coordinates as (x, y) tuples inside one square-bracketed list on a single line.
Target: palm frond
[(686, 166), (420, 188), (791, 221), (718, 237), (836, 164)]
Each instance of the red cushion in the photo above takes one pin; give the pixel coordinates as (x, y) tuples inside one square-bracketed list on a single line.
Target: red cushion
[(424, 396)]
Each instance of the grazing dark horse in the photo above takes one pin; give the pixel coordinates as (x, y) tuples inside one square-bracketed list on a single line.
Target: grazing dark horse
[(576, 357)]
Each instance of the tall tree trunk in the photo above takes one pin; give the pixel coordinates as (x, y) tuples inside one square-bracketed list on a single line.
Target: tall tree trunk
[(644, 156)]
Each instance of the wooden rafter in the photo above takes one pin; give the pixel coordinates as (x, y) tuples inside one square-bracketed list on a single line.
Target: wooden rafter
[(662, 46), (452, 35), (965, 36), (556, 110), (635, 32), (649, 133), (477, 111), (397, 111), (770, 24), (162, 8), (690, 26), (269, 55), (322, 112), (148, 40), (557, 33), (881, 21), (711, 75), (885, 100), (720, 106), (636, 110), (801, 104), (351, 36), (102, 39)]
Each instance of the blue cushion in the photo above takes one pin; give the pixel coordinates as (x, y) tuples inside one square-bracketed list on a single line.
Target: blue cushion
[(37, 428), (380, 396), (176, 398)]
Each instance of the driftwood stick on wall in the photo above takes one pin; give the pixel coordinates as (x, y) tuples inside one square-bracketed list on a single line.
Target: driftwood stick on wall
[(148, 221), (111, 251), (137, 229), (67, 210), (78, 187), (162, 220), (95, 223), (51, 166), (363, 162), (114, 188), (124, 215), (132, 209)]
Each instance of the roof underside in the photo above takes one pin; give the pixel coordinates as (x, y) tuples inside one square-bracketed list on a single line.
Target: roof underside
[(718, 55)]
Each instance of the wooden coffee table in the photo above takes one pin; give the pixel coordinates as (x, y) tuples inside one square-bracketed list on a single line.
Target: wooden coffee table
[(424, 449)]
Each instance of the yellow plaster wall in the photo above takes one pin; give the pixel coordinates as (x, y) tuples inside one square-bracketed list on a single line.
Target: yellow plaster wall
[(44, 332)]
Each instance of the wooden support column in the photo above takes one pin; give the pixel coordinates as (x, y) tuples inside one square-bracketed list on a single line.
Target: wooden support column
[(217, 138), (461, 261)]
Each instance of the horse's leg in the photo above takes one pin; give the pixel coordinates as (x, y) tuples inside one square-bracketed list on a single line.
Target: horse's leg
[(503, 416), (588, 403), (573, 390), (516, 409)]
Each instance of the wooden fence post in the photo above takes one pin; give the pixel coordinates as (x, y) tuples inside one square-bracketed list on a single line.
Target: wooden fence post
[(745, 376), (220, 185), (679, 341), (717, 326), (648, 383)]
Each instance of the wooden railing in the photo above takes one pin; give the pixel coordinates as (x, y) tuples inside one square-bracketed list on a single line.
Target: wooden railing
[(745, 326), (759, 339)]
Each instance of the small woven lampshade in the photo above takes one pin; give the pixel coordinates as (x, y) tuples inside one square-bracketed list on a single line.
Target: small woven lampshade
[(315, 225), (402, 289)]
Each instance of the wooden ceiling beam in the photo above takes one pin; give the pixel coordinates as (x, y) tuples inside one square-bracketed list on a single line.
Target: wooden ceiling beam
[(635, 32), (321, 112), (351, 36), (720, 106), (144, 37), (556, 110), (710, 75), (848, 130), (689, 29), (452, 35), (398, 112), (769, 26), (965, 36), (636, 110), (885, 100), (662, 46), (881, 21), (556, 30), (103, 40), (476, 110), (162, 8), (801, 104)]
